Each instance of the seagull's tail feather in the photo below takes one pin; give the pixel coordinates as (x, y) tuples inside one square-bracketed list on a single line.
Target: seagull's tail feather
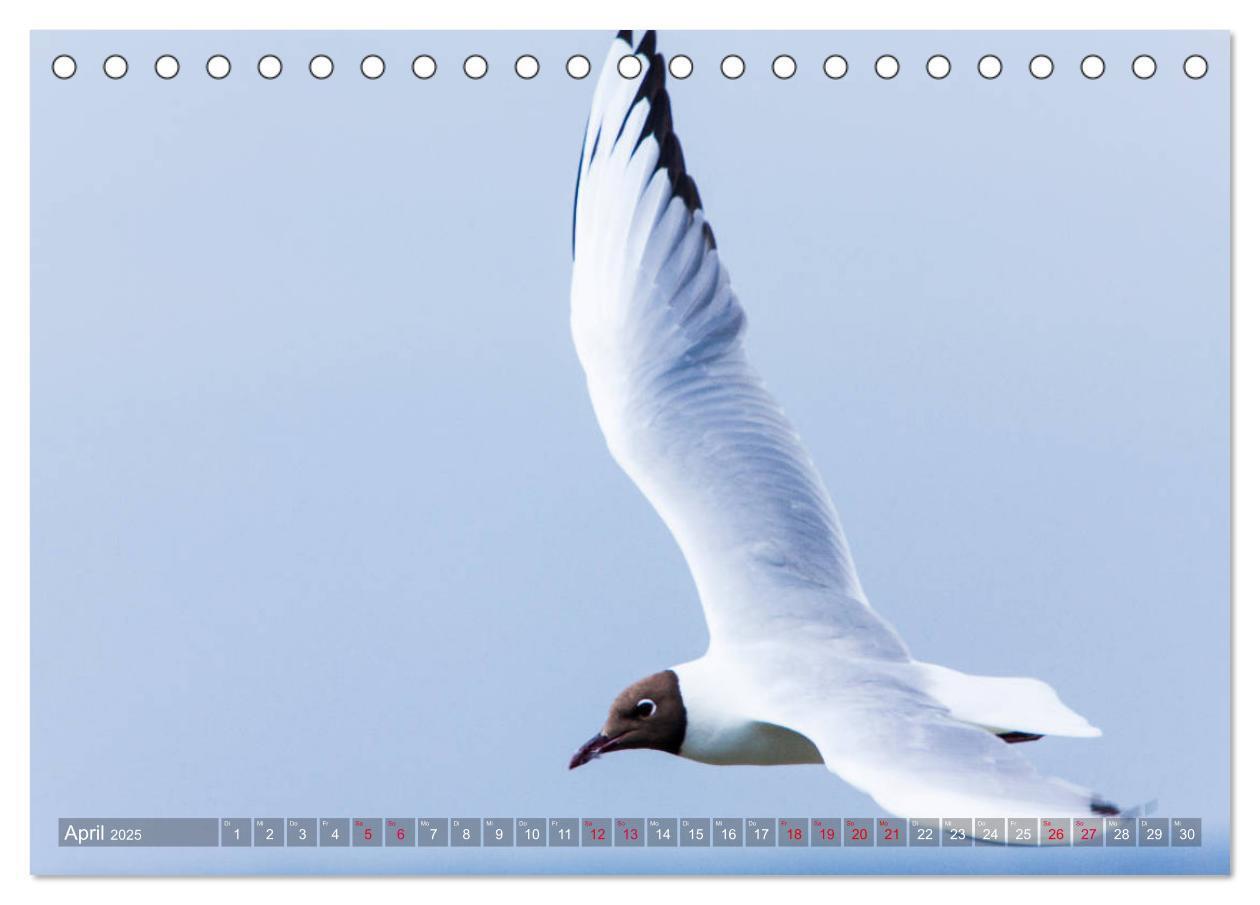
[(1107, 809), (1015, 709)]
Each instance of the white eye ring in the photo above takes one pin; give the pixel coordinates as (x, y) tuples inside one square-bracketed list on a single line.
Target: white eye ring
[(651, 708)]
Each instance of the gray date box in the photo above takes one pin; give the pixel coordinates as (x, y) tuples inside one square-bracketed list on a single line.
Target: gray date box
[(268, 831), (334, 832), (562, 832), (694, 832), (366, 831), (497, 832), (859, 831), (1088, 832), (1121, 831), (235, 831), (760, 832), (1054, 831), (1187, 831), (890, 831), (826, 832), (531, 832), (466, 832), (662, 832), (793, 831), (433, 832), (728, 832), (956, 831), (1152, 831), (1022, 831), (596, 832), (400, 831), (924, 832), (629, 831), (300, 832), (991, 830)]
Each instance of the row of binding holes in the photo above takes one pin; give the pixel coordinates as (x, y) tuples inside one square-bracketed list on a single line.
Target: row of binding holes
[(630, 66), (989, 66)]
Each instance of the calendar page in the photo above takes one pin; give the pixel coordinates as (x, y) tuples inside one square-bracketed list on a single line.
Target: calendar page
[(630, 453)]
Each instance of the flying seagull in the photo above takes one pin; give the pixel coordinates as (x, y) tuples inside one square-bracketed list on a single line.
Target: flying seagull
[(800, 669)]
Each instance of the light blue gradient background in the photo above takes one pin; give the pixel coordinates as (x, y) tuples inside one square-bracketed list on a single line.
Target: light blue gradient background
[(322, 523)]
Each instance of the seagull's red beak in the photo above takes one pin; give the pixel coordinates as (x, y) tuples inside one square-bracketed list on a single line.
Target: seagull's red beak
[(600, 744)]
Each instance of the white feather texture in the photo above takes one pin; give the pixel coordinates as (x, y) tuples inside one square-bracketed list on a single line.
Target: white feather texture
[(793, 639)]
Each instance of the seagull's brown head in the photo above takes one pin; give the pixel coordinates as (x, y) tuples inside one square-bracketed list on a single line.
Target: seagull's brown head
[(648, 714)]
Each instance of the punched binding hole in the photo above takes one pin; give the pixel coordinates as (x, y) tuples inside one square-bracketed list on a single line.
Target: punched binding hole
[(577, 66), (115, 66), (270, 67), (218, 66), (475, 66), (372, 66), (990, 66), (835, 66), (732, 66), (166, 66), (64, 66), (680, 66), (630, 66), (321, 66), (424, 66), (1195, 66), (1041, 66), (1144, 66), (1092, 67), (887, 67), (783, 67), (938, 66), (527, 66)]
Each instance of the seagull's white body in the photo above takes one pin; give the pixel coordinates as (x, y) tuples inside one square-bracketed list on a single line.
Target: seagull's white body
[(720, 730), (800, 668)]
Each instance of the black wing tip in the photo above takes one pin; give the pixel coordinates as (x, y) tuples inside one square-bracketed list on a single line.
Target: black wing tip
[(1103, 808), (1015, 738), (647, 44), (660, 125), (653, 84)]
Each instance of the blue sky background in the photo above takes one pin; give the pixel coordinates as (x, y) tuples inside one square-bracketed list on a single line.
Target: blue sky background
[(322, 523)]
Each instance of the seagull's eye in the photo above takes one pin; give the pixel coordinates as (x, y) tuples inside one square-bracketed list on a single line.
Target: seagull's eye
[(645, 708)]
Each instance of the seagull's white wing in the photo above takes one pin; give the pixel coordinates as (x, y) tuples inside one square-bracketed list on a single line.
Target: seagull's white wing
[(659, 334)]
